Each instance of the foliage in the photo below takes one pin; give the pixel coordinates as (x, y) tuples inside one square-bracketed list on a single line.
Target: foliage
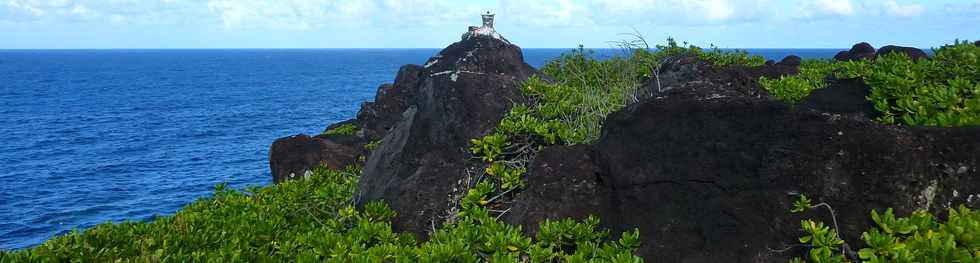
[(920, 237), (343, 129), (813, 75), (315, 220), (943, 91), (584, 91), (489, 147), (572, 104), (372, 145)]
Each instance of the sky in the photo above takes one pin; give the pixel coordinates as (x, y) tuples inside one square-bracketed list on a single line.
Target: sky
[(109, 24)]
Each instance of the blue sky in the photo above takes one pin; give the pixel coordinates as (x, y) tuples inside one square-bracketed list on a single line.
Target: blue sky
[(437, 23)]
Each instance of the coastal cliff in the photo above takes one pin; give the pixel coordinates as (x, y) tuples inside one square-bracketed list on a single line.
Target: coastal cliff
[(706, 163)]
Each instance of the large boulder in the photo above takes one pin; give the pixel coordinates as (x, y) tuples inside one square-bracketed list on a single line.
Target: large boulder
[(914, 53), (859, 51), (293, 157), (846, 97), (420, 167), (791, 61), (713, 179)]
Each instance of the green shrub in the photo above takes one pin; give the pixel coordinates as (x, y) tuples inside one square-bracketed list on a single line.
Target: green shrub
[(372, 145), (343, 129), (571, 107), (944, 91), (917, 238), (792, 89), (315, 220)]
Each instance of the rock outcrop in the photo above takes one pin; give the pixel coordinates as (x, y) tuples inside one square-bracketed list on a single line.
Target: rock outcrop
[(846, 97), (914, 53), (294, 156), (864, 50), (706, 165), (859, 51), (791, 61), (712, 178), (463, 92)]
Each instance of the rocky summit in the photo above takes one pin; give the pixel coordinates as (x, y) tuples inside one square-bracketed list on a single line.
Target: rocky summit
[(706, 165)]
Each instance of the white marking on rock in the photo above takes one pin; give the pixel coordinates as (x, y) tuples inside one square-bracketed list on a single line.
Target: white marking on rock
[(440, 73), (433, 62)]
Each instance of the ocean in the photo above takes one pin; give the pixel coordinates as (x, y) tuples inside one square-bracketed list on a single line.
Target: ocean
[(91, 136)]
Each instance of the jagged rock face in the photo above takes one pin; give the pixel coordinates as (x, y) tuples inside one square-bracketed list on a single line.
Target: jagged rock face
[(463, 93), (291, 157), (389, 103), (713, 180)]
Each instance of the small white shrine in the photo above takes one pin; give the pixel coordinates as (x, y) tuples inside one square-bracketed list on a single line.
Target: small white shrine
[(485, 30)]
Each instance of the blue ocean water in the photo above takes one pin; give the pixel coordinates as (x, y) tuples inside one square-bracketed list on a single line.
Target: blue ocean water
[(90, 136)]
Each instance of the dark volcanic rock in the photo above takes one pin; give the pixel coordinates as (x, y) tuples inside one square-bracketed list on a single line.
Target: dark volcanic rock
[(390, 101), (691, 77), (859, 51), (463, 93), (912, 52), (791, 61), (567, 183), (846, 97), (292, 157), (714, 180)]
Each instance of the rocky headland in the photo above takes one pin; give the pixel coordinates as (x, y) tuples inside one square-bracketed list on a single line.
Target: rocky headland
[(706, 164)]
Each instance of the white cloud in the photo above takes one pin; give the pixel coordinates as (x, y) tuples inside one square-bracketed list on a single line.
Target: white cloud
[(970, 9), (112, 11), (545, 13), (895, 9), (678, 12), (814, 9)]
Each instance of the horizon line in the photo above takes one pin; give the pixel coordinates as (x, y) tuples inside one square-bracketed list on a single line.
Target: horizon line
[(377, 48)]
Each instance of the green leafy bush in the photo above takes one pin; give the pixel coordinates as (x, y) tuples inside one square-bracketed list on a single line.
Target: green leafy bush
[(944, 91), (315, 220), (343, 129), (372, 145), (813, 75), (920, 237), (571, 107)]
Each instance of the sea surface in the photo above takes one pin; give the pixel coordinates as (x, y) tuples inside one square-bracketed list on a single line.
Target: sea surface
[(90, 136)]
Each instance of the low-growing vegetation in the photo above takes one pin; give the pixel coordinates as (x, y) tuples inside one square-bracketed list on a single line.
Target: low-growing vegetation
[(343, 129), (316, 220), (570, 107), (920, 237), (942, 91), (813, 75)]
